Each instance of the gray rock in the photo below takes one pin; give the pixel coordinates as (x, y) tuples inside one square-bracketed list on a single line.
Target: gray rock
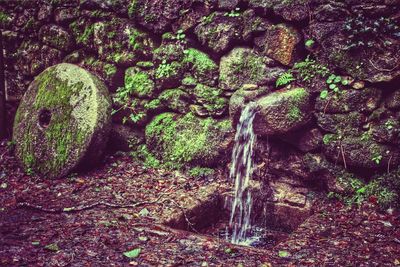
[(360, 151), (282, 111), (219, 31), (56, 36), (350, 100), (245, 66)]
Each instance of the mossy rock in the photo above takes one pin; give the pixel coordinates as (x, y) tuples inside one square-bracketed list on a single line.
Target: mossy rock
[(57, 37), (176, 100), (282, 111), (211, 99), (201, 66), (181, 140), (62, 122), (349, 100), (218, 31), (139, 82), (340, 123), (244, 65), (360, 151)]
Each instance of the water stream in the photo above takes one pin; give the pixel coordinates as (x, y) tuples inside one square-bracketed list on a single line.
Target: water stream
[(241, 172)]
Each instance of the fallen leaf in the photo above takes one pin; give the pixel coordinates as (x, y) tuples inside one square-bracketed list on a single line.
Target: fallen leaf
[(132, 253), (52, 247), (283, 254)]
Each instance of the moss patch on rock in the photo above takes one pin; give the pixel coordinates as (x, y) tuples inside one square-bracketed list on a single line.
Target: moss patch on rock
[(282, 111), (139, 83), (179, 140)]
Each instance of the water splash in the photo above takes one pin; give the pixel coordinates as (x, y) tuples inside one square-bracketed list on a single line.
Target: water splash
[(241, 171)]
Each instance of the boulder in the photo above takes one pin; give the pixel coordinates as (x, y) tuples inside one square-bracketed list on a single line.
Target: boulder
[(282, 111), (305, 140), (62, 15), (218, 31), (350, 100), (201, 66), (280, 42), (360, 151), (341, 123), (245, 66), (246, 94), (342, 43), (57, 37), (211, 99), (156, 16), (386, 131), (292, 10), (62, 122), (187, 139), (175, 100), (289, 206)]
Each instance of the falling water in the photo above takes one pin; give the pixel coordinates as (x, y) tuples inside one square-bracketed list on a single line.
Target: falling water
[(241, 171)]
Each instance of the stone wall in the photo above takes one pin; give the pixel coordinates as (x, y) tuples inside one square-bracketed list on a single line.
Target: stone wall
[(325, 75)]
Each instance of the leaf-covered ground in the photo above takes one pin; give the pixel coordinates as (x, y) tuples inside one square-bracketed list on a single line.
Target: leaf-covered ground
[(113, 216)]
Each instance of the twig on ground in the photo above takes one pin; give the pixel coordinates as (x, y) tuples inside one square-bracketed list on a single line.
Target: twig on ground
[(88, 206)]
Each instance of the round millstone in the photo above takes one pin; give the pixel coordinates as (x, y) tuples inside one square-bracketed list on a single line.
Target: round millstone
[(62, 122)]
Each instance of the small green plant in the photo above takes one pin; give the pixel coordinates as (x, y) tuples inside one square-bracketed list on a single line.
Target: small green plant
[(377, 158), (362, 32), (284, 79), (309, 43), (233, 13), (305, 71), (180, 36), (200, 172), (389, 124), (123, 98)]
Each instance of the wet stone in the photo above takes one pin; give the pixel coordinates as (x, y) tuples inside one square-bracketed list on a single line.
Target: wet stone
[(63, 119)]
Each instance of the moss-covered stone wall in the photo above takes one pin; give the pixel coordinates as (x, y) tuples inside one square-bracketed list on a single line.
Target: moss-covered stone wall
[(181, 70)]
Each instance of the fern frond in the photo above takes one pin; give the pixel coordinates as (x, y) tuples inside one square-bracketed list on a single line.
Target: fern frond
[(285, 78)]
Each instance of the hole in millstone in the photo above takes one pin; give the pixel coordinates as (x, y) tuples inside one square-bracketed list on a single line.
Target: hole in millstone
[(44, 118)]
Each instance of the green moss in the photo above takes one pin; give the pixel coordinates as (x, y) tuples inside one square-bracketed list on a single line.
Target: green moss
[(165, 70), (328, 138), (183, 140), (87, 35), (294, 114), (110, 69), (200, 62), (200, 172), (145, 64), (154, 104), (132, 8), (4, 19), (189, 81), (138, 83), (210, 98)]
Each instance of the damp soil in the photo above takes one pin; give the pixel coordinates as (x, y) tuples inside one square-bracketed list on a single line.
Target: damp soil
[(91, 219)]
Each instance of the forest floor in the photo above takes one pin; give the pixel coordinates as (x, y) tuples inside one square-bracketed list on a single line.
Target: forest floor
[(93, 219)]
